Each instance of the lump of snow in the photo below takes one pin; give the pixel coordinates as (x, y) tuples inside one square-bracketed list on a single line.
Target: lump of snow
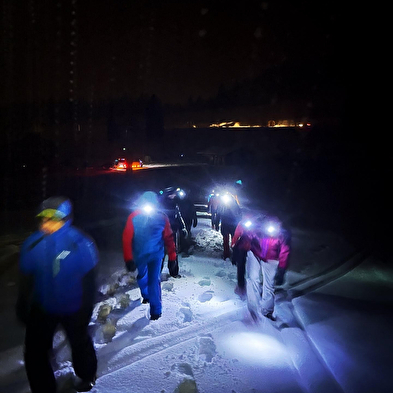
[(124, 300), (187, 386), (103, 312)]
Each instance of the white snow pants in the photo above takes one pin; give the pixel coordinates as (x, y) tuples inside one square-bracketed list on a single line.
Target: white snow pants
[(260, 298)]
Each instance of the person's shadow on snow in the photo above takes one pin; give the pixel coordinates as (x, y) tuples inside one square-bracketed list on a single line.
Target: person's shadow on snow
[(105, 354)]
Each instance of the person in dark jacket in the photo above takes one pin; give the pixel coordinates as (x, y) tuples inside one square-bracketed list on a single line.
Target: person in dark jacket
[(57, 286), (240, 246), (169, 201), (229, 215), (146, 234), (212, 207), (189, 215)]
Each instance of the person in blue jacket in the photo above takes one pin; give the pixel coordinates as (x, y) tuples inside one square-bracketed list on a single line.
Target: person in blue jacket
[(146, 236), (57, 286)]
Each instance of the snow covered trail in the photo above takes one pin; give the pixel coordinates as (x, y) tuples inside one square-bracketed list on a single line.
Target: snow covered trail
[(205, 341)]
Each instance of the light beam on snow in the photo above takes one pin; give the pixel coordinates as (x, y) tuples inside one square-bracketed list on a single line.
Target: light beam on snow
[(256, 347)]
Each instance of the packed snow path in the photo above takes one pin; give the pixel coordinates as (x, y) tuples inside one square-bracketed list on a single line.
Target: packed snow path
[(205, 340)]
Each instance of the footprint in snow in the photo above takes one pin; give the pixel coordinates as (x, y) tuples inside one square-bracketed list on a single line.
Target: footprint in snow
[(207, 348), (221, 273), (167, 286), (182, 368), (185, 314), (205, 282), (206, 296)]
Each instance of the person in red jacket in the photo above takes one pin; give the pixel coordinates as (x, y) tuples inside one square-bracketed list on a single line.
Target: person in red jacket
[(146, 234), (268, 248)]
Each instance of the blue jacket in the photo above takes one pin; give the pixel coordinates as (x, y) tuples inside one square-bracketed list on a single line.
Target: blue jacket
[(146, 236), (61, 266)]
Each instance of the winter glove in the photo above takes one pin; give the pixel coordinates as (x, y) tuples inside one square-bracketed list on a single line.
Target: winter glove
[(279, 277), (130, 266), (173, 267), (195, 223)]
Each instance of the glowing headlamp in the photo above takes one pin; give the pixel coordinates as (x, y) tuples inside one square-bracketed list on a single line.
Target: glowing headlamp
[(181, 193), (247, 224), (148, 208), (226, 198), (272, 229)]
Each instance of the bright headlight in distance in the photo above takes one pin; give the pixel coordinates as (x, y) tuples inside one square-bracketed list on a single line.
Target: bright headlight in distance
[(247, 224)]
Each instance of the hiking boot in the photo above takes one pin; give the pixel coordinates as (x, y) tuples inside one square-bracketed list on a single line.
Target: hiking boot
[(270, 316), (241, 292), (154, 317), (145, 301)]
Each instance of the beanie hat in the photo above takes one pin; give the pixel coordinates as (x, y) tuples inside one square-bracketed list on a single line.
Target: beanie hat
[(56, 208), (149, 197)]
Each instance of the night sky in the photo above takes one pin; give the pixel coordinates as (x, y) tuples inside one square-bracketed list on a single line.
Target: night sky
[(84, 50)]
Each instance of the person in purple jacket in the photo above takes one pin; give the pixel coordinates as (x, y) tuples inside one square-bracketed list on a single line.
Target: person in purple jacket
[(268, 247)]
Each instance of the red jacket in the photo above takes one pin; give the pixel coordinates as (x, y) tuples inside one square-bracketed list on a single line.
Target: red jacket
[(263, 246)]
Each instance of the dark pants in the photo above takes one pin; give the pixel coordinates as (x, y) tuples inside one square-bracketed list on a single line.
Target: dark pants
[(226, 230), (239, 259), (185, 241), (173, 269), (215, 218), (40, 330)]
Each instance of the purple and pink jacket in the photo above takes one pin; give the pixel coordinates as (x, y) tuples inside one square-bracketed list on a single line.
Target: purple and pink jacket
[(263, 246)]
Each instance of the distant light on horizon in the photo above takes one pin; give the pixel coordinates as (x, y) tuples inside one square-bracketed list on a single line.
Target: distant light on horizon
[(233, 124), (270, 123)]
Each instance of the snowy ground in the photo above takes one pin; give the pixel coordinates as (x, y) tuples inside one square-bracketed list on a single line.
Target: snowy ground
[(205, 340)]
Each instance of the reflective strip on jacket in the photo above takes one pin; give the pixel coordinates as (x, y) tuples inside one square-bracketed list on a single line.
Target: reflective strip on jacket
[(59, 264)]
